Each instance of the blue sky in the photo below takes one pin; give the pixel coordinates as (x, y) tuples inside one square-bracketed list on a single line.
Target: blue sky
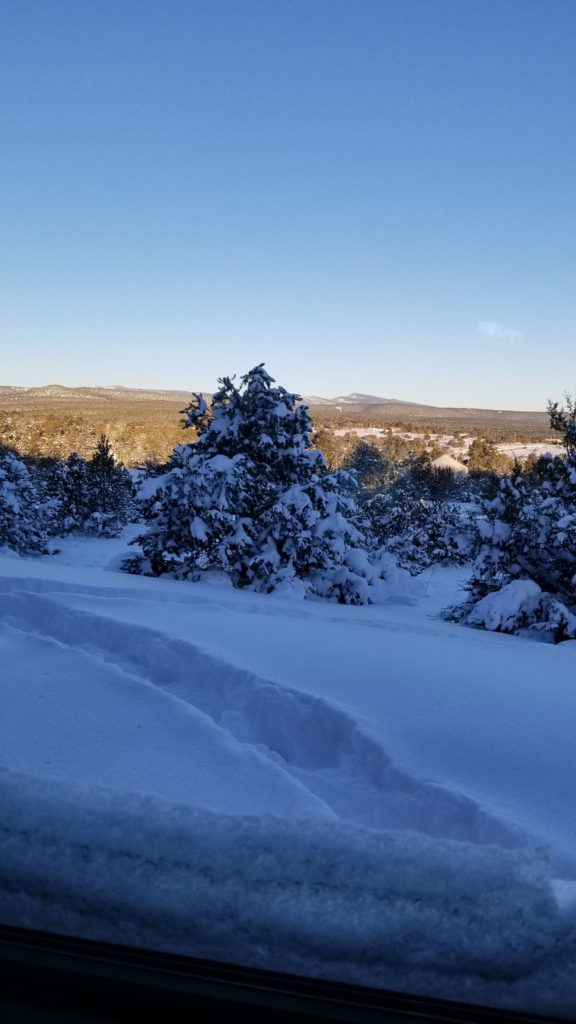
[(368, 195)]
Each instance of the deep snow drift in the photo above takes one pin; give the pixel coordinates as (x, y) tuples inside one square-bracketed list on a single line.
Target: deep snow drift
[(255, 754)]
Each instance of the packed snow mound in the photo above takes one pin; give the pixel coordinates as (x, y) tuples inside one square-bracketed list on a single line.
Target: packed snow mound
[(522, 607), (500, 610), (393, 909)]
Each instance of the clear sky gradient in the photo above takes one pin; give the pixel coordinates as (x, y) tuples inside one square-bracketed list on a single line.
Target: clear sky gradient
[(368, 195)]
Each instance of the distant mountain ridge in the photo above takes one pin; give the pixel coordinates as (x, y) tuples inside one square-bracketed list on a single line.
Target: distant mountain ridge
[(389, 408), (356, 403), (354, 398), (109, 393)]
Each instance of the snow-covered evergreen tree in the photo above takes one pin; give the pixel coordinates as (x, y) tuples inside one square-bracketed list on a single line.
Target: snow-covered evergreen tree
[(252, 498), (311, 539), (66, 487), (563, 419), (22, 513), (524, 578), (110, 492), (373, 471), (83, 496), (48, 473), (418, 531), (75, 493)]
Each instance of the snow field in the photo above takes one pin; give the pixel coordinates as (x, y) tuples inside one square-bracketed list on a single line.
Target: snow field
[(370, 794), (328, 764)]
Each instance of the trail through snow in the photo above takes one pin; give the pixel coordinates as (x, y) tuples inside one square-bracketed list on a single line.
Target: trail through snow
[(308, 744), (286, 717)]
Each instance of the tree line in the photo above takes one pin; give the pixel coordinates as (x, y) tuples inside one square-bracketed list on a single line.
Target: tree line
[(253, 497), (45, 498)]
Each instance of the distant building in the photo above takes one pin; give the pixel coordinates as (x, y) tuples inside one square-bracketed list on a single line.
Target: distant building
[(448, 462)]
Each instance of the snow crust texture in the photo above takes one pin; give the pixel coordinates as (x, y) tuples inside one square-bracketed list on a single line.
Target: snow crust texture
[(392, 909)]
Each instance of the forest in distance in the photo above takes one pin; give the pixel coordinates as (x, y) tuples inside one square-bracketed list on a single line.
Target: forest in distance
[(144, 426)]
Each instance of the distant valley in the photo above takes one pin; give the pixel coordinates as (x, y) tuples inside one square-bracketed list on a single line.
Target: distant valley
[(145, 424)]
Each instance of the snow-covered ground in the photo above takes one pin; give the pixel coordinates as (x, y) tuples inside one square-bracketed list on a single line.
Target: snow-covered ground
[(522, 451), (372, 794), (361, 431)]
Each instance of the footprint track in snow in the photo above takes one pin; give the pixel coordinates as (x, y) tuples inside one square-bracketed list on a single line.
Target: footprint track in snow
[(309, 737)]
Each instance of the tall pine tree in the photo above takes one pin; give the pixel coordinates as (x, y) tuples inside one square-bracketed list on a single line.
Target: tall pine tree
[(252, 498), (110, 491), (23, 514)]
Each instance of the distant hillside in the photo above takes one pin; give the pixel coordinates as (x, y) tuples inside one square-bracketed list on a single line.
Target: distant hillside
[(393, 409), (146, 424), (114, 393), (354, 398), (55, 420)]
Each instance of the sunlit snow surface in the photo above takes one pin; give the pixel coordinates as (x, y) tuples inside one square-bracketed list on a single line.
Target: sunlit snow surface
[(370, 794)]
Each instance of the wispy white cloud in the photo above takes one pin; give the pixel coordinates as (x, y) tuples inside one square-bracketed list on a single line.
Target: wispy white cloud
[(492, 329)]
